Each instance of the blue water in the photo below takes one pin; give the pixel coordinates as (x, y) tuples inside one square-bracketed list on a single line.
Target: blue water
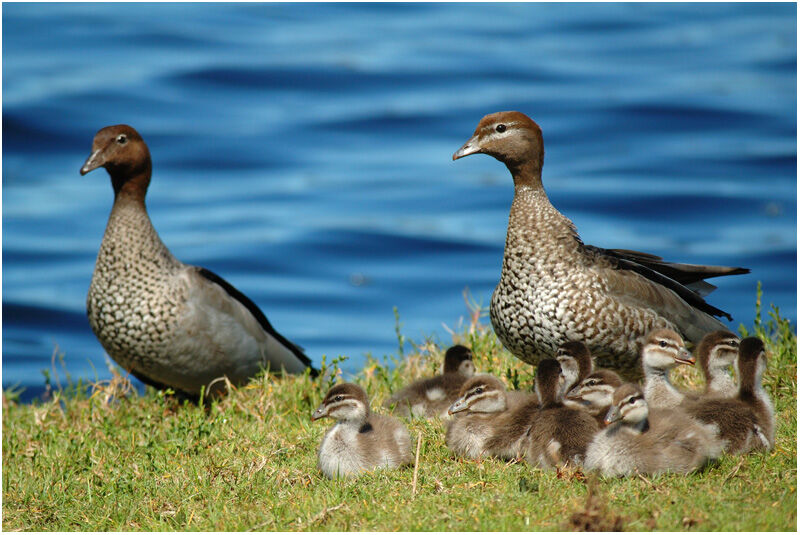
[(303, 152)]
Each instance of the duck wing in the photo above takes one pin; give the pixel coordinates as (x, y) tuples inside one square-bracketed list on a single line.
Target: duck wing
[(212, 278)]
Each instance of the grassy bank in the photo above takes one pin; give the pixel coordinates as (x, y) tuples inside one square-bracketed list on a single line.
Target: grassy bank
[(109, 459)]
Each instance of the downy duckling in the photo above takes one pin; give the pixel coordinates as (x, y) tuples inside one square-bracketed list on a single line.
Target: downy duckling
[(647, 441), (486, 421), (427, 398), (595, 394), (576, 363), (557, 434), (360, 440), (716, 353), (747, 420), (663, 349)]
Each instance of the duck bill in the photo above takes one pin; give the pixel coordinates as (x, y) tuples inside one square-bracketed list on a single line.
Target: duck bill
[(319, 413), (574, 393), (685, 358), (470, 147), (458, 406), (612, 416), (94, 161)]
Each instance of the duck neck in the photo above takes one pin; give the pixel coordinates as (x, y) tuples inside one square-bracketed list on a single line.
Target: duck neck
[(536, 229), (719, 380), (657, 386), (642, 426), (130, 233)]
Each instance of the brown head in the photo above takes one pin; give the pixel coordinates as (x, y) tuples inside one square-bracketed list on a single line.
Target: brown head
[(514, 139), (717, 349), (458, 359), (549, 382), (751, 365), (576, 362), (123, 152), (344, 402), (482, 393)]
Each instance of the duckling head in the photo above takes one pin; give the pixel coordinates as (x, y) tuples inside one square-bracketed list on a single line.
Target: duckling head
[(717, 350), (752, 362), (664, 349), (344, 402), (482, 393), (596, 391), (458, 359), (628, 405)]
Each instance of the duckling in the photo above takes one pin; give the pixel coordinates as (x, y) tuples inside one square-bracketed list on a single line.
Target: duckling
[(432, 397), (557, 433), (487, 422), (663, 349), (576, 363), (595, 393), (716, 353), (360, 440), (747, 420), (649, 441)]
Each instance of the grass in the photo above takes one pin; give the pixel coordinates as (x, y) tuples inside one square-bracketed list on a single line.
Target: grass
[(106, 458)]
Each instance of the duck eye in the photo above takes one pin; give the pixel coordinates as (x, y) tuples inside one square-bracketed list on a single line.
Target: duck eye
[(501, 128), (662, 343), (338, 398), (592, 382), (479, 390), (121, 139)]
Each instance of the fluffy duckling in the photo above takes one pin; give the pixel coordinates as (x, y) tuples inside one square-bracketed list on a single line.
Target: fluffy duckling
[(486, 421), (663, 349), (716, 353), (595, 394), (747, 420), (432, 397), (647, 441), (557, 434), (360, 440)]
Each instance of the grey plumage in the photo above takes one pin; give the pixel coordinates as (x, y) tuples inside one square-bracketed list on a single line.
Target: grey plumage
[(649, 441), (747, 420), (487, 420), (553, 288), (360, 440), (168, 323), (432, 397), (716, 353), (558, 434), (663, 350)]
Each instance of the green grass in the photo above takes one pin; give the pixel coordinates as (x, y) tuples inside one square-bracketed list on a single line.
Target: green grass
[(106, 458)]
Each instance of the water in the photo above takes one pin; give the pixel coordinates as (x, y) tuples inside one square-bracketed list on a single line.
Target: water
[(303, 152)]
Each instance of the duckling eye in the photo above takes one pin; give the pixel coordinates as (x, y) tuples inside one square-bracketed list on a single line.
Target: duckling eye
[(662, 343), (591, 382), (338, 398), (122, 139), (479, 390), (501, 128)]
